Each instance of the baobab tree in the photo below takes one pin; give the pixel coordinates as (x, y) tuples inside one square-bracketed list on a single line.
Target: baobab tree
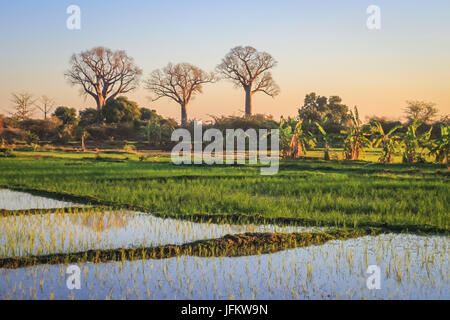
[(103, 73), (249, 68), (23, 105), (179, 82), (46, 105)]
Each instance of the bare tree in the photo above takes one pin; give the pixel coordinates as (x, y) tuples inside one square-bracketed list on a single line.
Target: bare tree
[(249, 68), (46, 105), (180, 82), (103, 73), (23, 105), (424, 111)]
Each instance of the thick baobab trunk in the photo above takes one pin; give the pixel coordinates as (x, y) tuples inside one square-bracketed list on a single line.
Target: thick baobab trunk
[(100, 102), (183, 114), (248, 101)]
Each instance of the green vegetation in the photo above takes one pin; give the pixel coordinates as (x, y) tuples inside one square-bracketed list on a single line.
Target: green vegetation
[(344, 194), (228, 246)]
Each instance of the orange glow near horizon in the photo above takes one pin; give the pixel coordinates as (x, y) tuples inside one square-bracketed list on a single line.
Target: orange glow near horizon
[(324, 48)]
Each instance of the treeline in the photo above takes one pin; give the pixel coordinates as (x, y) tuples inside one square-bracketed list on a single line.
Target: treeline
[(122, 120), (321, 123), (327, 123), (106, 75)]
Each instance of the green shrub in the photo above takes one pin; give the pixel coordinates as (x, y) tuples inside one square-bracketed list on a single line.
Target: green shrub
[(7, 153), (129, 148)]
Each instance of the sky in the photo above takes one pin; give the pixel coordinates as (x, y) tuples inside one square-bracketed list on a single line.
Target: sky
[(321, 46)]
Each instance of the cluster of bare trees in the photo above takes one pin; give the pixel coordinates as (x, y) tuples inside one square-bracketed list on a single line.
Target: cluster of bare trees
[(102, 74), (24, 105)]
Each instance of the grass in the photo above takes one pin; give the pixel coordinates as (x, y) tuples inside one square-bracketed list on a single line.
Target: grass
[(334, 193), (227, 246)]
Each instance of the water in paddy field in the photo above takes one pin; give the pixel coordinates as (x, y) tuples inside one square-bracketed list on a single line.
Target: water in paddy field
[(15, 200), (23, 235), (412, 267)]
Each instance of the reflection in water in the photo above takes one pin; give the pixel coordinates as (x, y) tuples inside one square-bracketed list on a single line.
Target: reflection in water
[(80, 231), (412, 267), (15, 200), (103, 222)]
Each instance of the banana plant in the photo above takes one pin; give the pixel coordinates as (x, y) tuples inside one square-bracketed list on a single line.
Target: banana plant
[(285, 136), (389, 142), (326, 137), (355, 137), (440, 147), (413, 142), (295, 141), (301, 140)]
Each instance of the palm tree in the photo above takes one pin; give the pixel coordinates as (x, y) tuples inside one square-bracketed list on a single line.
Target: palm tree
[(355, 140), (412, 142), (388, 142), (440, 147)]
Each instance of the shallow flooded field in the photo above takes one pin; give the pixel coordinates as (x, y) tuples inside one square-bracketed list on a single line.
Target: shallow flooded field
[(16, 200), (410, 266), (22, 235)]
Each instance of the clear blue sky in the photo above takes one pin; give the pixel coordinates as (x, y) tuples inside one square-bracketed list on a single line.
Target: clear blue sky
[(321, 46)]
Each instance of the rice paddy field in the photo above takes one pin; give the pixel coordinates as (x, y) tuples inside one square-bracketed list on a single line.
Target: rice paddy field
[(153, 230)]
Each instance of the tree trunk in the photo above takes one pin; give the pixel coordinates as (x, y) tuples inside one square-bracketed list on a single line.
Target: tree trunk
[(448, 164), (100, 102), (295, 147), (327, 152), (183, 114), (82, 144), (248, 101)]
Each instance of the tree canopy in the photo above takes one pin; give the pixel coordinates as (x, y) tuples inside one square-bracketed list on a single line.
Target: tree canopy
[(250, 69), (179, 82), (318, 107), (67, 115), (423, 111), (121, 109), (103, 73), (23, 105)]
